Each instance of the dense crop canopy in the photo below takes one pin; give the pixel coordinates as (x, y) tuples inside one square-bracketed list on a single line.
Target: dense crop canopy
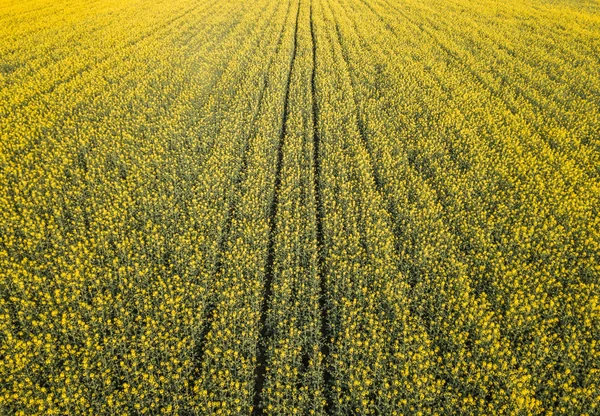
[(300, 207)]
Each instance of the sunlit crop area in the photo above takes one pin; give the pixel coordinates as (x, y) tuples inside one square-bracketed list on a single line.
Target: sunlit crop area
[(300, 207)]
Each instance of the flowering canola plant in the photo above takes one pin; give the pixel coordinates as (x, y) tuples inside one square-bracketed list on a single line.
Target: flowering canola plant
[(316, 207)]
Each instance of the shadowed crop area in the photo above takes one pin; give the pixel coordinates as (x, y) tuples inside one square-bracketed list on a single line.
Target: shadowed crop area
[(299, 207)]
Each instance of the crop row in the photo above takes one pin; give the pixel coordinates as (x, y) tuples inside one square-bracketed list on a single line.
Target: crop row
[(299, 207)]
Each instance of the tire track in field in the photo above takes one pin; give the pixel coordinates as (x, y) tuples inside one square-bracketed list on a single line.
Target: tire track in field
[(211, 306), (325, 333), (261, 361)]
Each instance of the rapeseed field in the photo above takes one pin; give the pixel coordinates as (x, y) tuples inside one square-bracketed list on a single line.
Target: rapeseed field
[(300, 207)]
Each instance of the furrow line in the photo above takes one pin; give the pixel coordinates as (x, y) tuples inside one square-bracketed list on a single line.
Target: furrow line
[(260, 369), (319, 216), (233, 205)]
